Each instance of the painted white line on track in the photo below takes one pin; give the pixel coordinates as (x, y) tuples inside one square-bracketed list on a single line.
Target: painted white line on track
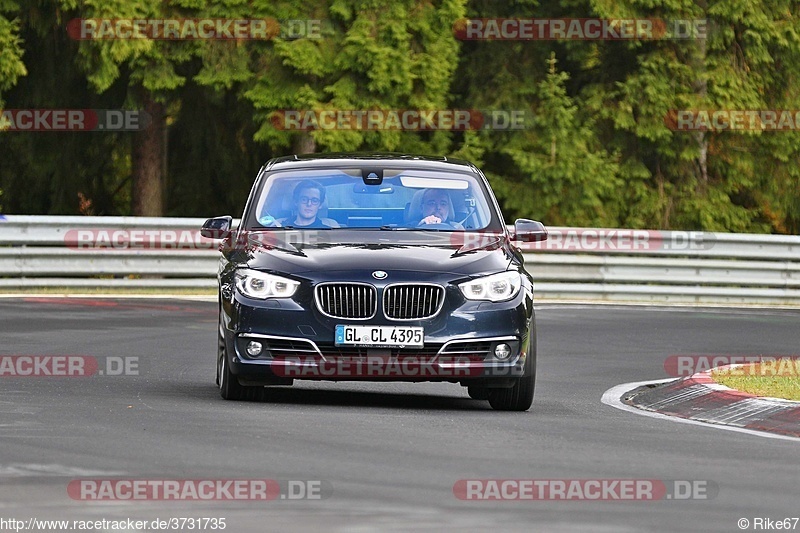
[(116, 296), (676, 308), (612, 397), (558, 303)]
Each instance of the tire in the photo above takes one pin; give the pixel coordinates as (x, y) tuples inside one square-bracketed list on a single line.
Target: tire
[(229, 386), (520, 396)]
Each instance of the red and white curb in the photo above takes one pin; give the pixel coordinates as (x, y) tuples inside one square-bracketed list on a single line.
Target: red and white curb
[(698, 399)]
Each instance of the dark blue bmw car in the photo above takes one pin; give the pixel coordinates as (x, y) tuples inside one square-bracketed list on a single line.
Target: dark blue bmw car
[(381, 267)]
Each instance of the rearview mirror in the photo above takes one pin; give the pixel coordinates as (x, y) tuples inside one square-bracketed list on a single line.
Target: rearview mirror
[(360, 188), (217, 228), (529, 231)]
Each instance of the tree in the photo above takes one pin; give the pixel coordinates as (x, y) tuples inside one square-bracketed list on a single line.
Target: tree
[(11, 65), (556, 169), (148, 69), (43, 172), (568, 178), (698, 180), (598, 148), (373, 55)]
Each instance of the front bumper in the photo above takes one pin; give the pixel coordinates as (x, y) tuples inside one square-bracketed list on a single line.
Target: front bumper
[(455, 361), (459, 344)]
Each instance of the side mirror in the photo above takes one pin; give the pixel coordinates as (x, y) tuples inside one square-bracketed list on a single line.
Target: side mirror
[(217, 228), (529, 231)]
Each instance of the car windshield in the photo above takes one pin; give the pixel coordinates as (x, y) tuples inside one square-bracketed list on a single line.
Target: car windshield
[(404, 199)]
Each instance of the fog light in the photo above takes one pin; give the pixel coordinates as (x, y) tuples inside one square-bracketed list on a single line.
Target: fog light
[(254, 348), (502, 351)]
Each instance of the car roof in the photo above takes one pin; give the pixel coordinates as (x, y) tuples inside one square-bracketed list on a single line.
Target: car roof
[(360, 159)]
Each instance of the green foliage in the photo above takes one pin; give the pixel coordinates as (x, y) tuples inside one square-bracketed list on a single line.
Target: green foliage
[(569, 179), (596, 149), (699, 180), (371, 56), (151, 62), (43, 172), (11, 65)]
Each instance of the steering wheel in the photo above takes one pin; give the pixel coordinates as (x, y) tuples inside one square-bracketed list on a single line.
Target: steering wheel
[(440, 225), (268, 221)]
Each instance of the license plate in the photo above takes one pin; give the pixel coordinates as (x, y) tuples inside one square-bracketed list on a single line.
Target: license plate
[(379, 336)]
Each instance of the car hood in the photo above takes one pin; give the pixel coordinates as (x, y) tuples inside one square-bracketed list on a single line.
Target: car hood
[(465, 253)]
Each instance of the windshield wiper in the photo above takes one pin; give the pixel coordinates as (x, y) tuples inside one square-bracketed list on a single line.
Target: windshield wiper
[(302, 227), (394, 227)]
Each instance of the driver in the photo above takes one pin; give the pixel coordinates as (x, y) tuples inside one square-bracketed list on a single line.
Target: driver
[(307, 199), (436, 208)]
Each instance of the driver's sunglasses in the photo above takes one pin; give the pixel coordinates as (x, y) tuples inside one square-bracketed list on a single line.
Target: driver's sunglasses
[(434, 203), (307, 200)]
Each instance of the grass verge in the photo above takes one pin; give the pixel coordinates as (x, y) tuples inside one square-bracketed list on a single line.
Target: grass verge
[(779, 378)]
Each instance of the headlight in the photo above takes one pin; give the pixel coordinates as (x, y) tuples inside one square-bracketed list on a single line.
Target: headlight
[(254, 284), (495, 288)]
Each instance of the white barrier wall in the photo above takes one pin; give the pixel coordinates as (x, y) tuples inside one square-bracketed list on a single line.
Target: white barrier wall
[(574, 263)]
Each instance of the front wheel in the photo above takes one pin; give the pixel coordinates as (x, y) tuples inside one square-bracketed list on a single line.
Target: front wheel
[(229, 386), (520, 396)]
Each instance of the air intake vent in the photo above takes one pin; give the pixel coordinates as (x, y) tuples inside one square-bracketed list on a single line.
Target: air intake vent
[(346, 300), (412, 302)]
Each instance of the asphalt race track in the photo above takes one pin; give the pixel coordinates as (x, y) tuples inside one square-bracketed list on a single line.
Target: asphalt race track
[(386, 456)]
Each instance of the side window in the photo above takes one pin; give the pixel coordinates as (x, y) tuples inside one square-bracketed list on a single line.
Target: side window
[(469, 209), (277, 204)]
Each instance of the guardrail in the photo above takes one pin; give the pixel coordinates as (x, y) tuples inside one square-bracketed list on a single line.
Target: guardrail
[(574, 264)]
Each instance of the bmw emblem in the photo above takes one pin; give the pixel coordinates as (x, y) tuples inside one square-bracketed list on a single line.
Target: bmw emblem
[(379, 274)]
